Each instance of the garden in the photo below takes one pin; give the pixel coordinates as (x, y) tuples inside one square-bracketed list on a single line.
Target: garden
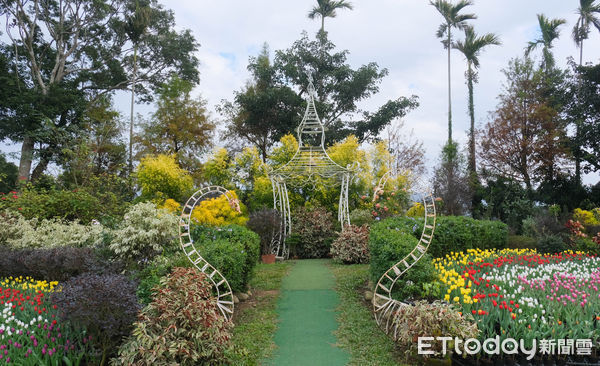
[(292, 223)]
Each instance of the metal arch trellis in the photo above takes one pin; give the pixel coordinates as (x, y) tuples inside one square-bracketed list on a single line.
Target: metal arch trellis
[(220, 284), (310, 163), (384, 305)]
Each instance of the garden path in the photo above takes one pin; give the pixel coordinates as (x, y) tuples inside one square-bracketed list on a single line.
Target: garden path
[(307, 315)]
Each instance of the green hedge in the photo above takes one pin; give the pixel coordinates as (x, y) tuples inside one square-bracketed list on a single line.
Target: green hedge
[(234, 250), (455, 233), (387, 245)]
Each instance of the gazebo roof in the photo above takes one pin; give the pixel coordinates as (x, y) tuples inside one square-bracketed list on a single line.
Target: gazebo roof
[(311, 160)]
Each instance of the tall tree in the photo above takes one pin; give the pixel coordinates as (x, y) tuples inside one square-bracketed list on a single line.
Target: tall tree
[(69, 52), (452, 19), (269, 106), (471, 47), (522, 141), (451, 181), (327, 9), (588, 12), (549, 33), (136, 25), (265, 110), (179, 126)]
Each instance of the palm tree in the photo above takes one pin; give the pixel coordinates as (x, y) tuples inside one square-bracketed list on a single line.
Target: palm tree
[(549, 33), (471, 48), (452, 19), (326, 9), (587, 15)]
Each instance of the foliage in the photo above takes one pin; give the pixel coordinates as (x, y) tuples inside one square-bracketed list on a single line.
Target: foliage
[(521, 242), (160, 177), (218, 212), (144, 233), (172, 206), (149, 277), (8, 175), (103, 306), (506, 200), (168, 330), (54, 264), (234, 250), (255, 113), (266, 223), (451, 180), (327, 9), (60, 204), (524, 139), (586, 218), (550, 244), (453, 233), (390, 202), (426, 319), (179, 125), (416, 210), (218, 170), (549, 33), (588, 245), (55, 69), (388, 246), (53, 233), (352, 245), (314, 228), (360, 217)]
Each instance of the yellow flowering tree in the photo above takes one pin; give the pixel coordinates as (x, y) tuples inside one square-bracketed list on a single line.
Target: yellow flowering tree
[(218, 211), (160, 177)]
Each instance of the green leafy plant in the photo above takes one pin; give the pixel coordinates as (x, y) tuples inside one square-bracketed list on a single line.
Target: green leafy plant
[(360, 217), (144, 233), (266, 223), (314, 227), (352, 245), (181, 326), (550, 244)]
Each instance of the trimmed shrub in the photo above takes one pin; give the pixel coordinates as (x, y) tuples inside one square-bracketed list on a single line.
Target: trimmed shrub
[(314, 227), (551, 244), (521, 242), (587, 245), (360, 217), (181, 326), (455, 233), (150, 276), (388, 245), (234, 250), (160, 177), (266, 223), (55, 233), (103, 306), (61, 204), (352, 246), (13, 226), (55, 264), (144, 233)]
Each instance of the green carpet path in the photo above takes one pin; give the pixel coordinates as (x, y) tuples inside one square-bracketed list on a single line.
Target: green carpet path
[(307, 315)]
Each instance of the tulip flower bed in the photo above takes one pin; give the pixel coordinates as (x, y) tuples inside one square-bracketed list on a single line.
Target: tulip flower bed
[(29, 332), (522, 294)]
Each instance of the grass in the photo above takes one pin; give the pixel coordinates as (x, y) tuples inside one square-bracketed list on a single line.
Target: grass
[(358, 332), (255, 319)]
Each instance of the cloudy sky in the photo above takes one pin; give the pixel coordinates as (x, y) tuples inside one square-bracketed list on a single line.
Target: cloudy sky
[(398, 35)]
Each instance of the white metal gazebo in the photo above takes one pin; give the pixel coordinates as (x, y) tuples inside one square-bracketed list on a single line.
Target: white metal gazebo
[(309, 164)]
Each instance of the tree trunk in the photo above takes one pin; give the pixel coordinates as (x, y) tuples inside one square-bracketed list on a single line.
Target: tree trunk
[(26, 159), (472, 162), (132, 104), (577, 151), (449, 90), (322, 23), (42, 165)]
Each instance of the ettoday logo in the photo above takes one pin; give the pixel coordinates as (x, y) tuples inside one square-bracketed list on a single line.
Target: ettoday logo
[(508, 346)]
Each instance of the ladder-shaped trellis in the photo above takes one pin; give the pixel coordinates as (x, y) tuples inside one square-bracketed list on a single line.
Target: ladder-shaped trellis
[(384, 306), (221, 286)]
